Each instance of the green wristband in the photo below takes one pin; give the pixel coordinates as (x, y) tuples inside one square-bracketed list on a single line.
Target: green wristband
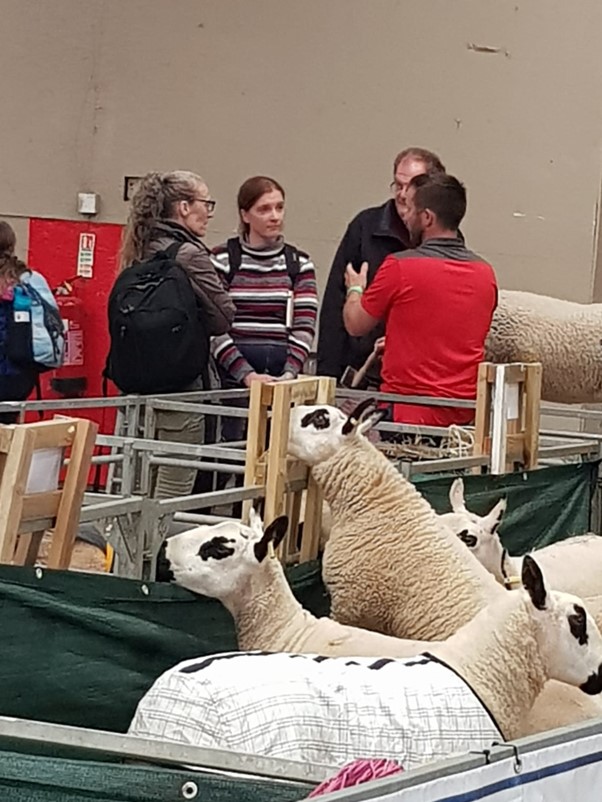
[(355, 288)]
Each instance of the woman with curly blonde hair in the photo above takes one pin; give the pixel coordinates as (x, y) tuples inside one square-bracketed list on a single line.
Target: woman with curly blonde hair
[(168, 208)]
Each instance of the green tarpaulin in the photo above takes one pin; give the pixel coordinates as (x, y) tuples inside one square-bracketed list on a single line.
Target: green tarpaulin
[(544, 506), (82, 649), (29, 778)]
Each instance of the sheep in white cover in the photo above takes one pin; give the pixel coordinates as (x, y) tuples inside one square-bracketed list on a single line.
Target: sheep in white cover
[(389, 565), (229, 561), (566, 337), (460, 696), (573, 565)]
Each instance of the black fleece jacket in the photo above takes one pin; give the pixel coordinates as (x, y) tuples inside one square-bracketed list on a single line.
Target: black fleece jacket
[(370, 237)]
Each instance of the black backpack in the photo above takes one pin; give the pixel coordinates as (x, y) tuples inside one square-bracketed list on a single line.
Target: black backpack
[(159, 343), (291, 256)]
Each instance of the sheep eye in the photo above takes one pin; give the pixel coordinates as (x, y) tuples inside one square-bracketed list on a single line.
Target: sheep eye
[(319, 418), (578, 625), (216, 548), (469, 540)]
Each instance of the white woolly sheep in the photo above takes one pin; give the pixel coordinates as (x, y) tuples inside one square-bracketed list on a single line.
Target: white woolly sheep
[(386, 546), (564, 336), (468, 526), (389, 565), (573, 565), (463, 523), (459, 697), (227, 561)]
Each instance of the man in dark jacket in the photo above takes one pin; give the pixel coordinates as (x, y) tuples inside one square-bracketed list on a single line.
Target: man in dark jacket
[(371, 236)]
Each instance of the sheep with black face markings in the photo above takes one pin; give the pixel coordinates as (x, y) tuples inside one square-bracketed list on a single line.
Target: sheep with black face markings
[(389, 565), (573, 565), (461, 696), (385, 536), (229, 562), (467, 525)]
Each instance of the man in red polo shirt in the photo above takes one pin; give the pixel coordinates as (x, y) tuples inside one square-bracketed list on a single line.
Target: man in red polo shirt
[(437, 302)]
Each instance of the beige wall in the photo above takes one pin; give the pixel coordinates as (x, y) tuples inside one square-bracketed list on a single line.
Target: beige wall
[(321, 94)]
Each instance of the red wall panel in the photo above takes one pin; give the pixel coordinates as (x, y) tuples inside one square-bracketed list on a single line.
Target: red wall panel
[(53, 250)]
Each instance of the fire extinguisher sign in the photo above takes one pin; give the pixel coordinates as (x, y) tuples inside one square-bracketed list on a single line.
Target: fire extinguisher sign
[(85, 255)]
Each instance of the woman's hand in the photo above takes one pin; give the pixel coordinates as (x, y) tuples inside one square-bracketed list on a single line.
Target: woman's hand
[(286, 376), (260, 377)]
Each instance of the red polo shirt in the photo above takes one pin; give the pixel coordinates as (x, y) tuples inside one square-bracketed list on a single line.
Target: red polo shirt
[(437, 302)]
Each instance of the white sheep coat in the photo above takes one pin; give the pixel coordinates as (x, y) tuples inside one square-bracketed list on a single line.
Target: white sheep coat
[(388, 566), (566, 337), (315, 709)]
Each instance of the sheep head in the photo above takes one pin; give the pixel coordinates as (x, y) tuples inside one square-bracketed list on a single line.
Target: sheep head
[(318, 431), (569, 640), (478, 532), (217, 560)]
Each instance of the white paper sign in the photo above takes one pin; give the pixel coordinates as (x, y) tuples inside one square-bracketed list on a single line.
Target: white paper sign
[(85, 255), (44, 470)]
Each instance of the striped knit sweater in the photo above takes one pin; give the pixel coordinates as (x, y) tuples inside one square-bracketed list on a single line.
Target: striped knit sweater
[(261, 289)]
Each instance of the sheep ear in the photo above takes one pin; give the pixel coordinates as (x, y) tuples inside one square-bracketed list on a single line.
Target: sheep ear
[(273, 536), (256, 518), (372, 420), (356, 415), (533, 582), (163, 572), (456, 495), (494, 517)]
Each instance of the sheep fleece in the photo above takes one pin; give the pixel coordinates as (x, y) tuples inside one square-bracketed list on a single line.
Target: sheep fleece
[(566, 337), (317, 709)]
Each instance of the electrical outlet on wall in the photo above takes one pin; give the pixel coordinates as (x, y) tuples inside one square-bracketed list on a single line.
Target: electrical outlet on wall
[(87, 202)]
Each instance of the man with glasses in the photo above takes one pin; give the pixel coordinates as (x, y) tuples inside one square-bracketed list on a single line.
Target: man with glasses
[(370, 237), (437, 300)]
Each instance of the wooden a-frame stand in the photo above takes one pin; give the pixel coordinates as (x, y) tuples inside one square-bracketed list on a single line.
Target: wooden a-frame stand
[(31, 502), (268, 463), (507, 415)]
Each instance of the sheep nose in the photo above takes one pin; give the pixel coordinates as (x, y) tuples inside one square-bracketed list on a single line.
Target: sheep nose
[(593, 684)]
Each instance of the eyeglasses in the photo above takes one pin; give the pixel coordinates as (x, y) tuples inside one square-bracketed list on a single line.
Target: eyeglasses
[(209, 203), (395, 187)]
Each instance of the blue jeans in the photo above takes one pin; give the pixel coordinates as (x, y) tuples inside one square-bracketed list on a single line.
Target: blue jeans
[(266, 358)]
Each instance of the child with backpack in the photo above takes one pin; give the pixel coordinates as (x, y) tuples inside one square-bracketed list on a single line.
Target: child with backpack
[(273, 285), (165, 304), (32, 337)]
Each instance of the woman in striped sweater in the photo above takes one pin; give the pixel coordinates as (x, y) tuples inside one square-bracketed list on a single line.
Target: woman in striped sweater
[(273, 286)]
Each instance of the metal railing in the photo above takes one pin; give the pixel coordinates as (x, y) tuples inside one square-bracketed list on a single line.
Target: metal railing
[(136, 524)]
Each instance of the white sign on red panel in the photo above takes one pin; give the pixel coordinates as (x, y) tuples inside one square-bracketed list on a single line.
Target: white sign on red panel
[(85, 255)]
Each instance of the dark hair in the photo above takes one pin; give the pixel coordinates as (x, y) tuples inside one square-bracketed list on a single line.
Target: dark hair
[(250, 192), (431, 161), (8, 239), (11, 267), (443, 195)]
